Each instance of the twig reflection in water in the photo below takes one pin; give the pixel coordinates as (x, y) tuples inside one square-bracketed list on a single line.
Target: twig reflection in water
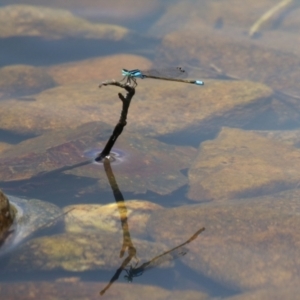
[(157, 260), (127, 243)]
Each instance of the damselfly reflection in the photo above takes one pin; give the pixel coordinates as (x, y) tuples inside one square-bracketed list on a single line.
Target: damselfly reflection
[(159, 259), (156, 261)]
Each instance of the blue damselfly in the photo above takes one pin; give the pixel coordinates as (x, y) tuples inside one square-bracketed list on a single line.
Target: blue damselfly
[(170, 74)]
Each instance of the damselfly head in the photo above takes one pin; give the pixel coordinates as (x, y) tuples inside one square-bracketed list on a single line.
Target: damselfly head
[(180, 70)]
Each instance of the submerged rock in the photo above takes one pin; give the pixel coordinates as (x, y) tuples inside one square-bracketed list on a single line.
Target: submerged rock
[(95, 217), (90, 290), (232, 53), (96, 69), (141, 163), (51, 151), (271, 293), (240, 163), (39, 21), (29, 216), (245, 242), (223, 15), (159, 108), (288, 137), (22, 80), (113, 12), (78, 252), (7, 215), (216, 35)]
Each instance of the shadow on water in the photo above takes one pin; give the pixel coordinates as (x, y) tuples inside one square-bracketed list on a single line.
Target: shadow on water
[(14, 138), (37, 51), (189, 138)]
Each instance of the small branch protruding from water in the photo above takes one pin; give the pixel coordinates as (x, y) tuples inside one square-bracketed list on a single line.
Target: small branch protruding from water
[(122, 121)]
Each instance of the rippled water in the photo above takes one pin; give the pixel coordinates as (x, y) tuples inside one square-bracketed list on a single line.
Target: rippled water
[(223, 157)]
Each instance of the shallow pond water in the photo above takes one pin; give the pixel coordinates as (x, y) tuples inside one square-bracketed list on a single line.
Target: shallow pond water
[(200, 199)]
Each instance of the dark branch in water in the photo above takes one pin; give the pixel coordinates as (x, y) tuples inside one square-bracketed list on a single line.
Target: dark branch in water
[(178, 250), (127, 243), (122, 121)]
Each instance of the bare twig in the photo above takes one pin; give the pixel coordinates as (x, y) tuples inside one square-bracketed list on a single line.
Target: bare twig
[(122, 121)]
